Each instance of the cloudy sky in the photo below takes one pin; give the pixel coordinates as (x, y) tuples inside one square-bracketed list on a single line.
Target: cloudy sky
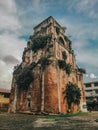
[(18, 17)]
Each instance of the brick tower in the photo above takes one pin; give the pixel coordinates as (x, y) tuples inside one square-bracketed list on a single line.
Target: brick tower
[(39, 82)]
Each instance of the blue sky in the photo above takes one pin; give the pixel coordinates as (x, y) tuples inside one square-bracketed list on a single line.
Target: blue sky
[(18, 17)]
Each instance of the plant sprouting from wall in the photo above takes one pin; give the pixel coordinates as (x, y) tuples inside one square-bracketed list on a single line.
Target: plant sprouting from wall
[(64, 55), (39, 42), (68, 68), (63, 65), (73, 94), (24, 78), (45, 61)]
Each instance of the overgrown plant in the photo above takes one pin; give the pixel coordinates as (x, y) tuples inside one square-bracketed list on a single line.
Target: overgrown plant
[(64, 55), (24, 78), (65, 66), (62, 64), (73, 94), (39, 42), (45, 61), (68, 69)]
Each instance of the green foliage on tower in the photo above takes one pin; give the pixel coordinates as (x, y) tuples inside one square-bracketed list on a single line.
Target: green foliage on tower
[(45, 61), (40, 42), (63, 65), (73, 94), (24, 78)]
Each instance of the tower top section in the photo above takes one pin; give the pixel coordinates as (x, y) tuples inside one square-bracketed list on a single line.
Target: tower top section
[(48, 22)]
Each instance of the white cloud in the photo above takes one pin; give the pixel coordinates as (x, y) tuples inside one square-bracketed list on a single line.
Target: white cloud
[(8, 19), (11, 46), (80, 31), (5, 75), (87, 7), (36, 5), (88, 57), (9, 6), (93, 76), (87, 75)]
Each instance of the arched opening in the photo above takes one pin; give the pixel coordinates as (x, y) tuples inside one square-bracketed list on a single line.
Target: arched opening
[(29, 102), (61, 41)]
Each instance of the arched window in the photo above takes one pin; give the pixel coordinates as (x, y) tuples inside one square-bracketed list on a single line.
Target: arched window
[(61, 41)]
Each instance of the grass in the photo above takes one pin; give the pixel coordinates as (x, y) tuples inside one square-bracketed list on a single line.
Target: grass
[(63, 116), (47, 122), (96, 120)]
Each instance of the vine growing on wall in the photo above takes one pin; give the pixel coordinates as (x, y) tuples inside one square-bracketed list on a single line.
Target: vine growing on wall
[(45, 61), (68, 68), (63, 65), (64, 55)]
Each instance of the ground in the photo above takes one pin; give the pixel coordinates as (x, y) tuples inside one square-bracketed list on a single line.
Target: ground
[(80, 121)]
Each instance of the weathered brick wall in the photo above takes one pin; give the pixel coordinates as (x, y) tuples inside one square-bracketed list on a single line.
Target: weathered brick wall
[(51, 90), (50, 97)]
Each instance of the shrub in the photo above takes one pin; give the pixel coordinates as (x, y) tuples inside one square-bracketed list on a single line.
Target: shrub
[(62, 64), (24, 78), (68, 68), (45, 61), (73, 94), (39, 42)]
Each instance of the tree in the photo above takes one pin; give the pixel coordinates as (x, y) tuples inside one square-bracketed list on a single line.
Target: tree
[(73, 94)]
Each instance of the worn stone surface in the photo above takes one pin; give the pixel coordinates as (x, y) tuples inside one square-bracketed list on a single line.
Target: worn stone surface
[(51, 90)]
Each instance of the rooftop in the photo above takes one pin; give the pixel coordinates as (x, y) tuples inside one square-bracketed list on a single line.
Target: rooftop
[(4, 90), (91, 81)]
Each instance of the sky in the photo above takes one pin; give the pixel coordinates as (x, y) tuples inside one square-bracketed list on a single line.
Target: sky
[(19, 17)]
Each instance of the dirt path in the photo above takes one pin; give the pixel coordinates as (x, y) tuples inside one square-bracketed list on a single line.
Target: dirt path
[(85, 122), (38, 122)]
